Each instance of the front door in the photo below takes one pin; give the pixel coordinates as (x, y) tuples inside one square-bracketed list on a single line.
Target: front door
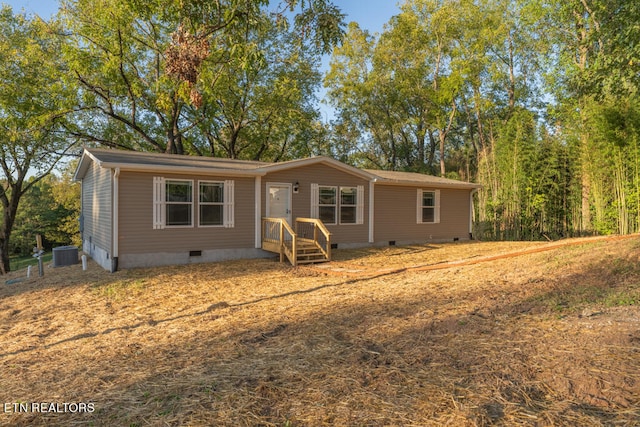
[(279, 201)]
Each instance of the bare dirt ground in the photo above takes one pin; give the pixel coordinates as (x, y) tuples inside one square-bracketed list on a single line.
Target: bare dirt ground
[(447, 334)]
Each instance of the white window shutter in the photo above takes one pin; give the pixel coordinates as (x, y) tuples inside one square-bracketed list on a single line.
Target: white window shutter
[(419, 207), (158, 202), (315, 195), (436, 214), (228, 204), (360, 204)]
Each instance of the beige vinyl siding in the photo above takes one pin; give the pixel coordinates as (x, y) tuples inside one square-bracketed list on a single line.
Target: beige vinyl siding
[(137, 235), (97, 207), (395, 215), (321, 174)]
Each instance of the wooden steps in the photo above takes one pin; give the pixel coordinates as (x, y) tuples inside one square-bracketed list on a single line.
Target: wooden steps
[(309, 252), (310, 242)]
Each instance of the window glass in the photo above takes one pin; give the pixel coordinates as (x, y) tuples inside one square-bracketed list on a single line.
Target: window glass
[(211, 203), (428, 199), (179, 214), (348, 201), (327, 196), (327, 204), (178, 191), (348, 195), (211, 192), (211, 215), (179, 202), (428, 206), (327, 214)]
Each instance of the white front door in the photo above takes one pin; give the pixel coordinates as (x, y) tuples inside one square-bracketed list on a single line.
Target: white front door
[(279, 201)]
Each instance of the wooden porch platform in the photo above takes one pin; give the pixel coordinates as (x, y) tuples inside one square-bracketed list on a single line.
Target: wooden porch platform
[(309, 243)]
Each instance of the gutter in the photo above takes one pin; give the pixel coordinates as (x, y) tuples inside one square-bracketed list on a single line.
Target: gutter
[(181, 169), (116, 220), (372, 210)]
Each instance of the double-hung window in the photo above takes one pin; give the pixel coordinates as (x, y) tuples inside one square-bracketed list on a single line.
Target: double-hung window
[(327, 204), (428, 206), (211, 203), (178, 203), (174, 203), (337, 205), (348, 205)]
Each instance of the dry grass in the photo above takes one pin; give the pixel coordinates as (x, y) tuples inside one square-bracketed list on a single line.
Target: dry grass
[(546, 338)]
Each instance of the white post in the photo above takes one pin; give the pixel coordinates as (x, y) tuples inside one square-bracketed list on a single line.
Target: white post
[(84, 263), (28, 271)]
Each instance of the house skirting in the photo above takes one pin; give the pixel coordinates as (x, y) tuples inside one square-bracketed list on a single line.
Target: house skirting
[(99, 255), (157, 259)]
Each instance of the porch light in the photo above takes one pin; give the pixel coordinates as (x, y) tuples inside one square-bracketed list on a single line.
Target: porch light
[(296, 187)]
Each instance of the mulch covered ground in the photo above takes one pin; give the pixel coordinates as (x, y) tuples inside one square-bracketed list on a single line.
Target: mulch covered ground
[(447, 334)]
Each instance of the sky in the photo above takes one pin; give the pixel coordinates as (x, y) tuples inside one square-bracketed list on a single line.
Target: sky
[(370, 14)]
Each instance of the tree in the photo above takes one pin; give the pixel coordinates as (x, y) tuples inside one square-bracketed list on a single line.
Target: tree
[(31, 118), (50, 208), (596, 46), (262, 108), (116, 55), (152, 74)]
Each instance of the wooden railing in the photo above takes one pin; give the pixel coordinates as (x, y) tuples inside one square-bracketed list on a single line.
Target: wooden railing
[(279, 237), (314, 229)]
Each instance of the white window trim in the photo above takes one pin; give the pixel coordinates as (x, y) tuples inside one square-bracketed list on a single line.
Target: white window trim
[(160, 203), (228, 204), (192, 203), (436, 207), (200, 203), (335, 205), (315, 203), (359, 206)]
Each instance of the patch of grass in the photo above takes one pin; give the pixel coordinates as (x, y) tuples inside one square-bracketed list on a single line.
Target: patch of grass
[(623, 298), (121, 289), (20, 262), (580, 296)]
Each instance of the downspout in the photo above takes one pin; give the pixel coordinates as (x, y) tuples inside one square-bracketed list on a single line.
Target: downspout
[(371, 210), (116, 220), (471, 211), (258, 214)]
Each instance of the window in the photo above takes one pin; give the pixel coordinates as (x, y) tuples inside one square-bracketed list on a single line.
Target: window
[(329, 202), (173, 203), (348, 204), (428, 206), (178, 203), (211, 203)]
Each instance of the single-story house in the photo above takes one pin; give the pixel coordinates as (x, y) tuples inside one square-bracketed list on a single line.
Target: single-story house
[(147, 209)]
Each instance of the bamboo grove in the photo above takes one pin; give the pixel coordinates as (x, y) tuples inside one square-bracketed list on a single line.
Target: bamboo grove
[(537, 100)]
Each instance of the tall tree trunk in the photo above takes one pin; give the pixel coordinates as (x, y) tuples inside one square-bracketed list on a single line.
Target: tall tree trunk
[(10, 210)]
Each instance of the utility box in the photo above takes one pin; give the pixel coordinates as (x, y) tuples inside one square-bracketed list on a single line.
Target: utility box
[(65, 255)]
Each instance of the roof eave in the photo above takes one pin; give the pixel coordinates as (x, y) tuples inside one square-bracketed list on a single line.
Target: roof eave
[(83, 165), (176, 169), (319, 159), (460, 186)]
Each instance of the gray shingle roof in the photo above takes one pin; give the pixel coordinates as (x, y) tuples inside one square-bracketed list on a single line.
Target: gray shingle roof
[(134, 160), (394, 177), (123, 157)]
